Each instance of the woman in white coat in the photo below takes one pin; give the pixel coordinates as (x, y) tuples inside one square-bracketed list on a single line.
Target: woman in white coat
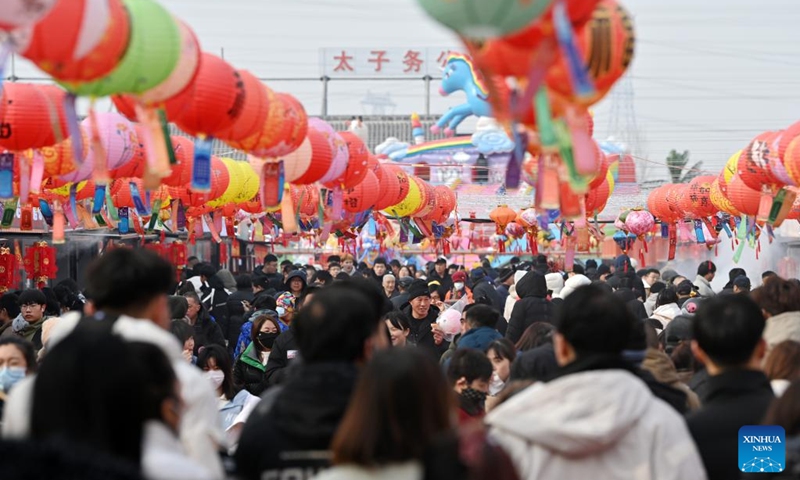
[(512, 294), (666, 306)]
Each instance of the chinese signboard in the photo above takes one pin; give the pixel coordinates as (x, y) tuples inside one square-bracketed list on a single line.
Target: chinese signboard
[(383, 62)]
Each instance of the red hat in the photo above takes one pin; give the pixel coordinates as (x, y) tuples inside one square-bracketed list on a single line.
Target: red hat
[(459, 276)]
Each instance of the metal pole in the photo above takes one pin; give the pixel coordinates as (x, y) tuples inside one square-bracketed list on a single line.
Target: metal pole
[(222, 53), (427, 79), (13, 76), (325, 79)]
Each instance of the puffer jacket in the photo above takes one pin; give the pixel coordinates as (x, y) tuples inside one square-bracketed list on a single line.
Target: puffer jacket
[(663, 370), (785, 326), (665, 313), (632, 434), (533, 306)]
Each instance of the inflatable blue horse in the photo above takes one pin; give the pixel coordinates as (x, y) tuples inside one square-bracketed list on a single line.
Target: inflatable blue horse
[(459, 74)]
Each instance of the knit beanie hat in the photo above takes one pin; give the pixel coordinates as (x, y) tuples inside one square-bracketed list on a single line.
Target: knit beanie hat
[(418, 289)]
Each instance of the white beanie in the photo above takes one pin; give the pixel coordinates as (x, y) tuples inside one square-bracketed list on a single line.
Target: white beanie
[(555, 282), (518, 275), (573, 283)]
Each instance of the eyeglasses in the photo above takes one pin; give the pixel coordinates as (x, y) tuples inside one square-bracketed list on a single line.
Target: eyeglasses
[(29, 306)]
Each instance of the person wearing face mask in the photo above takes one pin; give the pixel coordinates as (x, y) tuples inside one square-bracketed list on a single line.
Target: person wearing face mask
[(469, 373), (17, 361), (235, 404), (250, 369), (502, 354), (459, 289)]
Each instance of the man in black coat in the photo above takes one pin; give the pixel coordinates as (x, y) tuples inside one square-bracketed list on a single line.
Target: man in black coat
[(401, 300), (270, 271), (482, 287), (422, 316), (532, 306), (727, 339), (289, 433), (439, 274), (206, 330)]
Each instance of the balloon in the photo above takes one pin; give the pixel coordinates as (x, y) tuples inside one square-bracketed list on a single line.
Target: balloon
[(184, 73), (151, 55), (89, 49), (25, 114), (482, 19), (254, 112), (212, 103), (320, 158), (409, 204), (363, 196)]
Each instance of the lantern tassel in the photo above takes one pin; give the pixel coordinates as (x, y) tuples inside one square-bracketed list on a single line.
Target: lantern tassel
[(46, 212), (272, 183), (100, 172), (37, 172), (201, 170), (6, 175), (582, 84), (58, 225), (164, 123), (287, 214), (73, 127), (9, 212), (123, 225)]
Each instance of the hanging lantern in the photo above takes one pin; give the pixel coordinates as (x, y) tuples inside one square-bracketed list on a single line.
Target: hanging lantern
[(25, 116), (754, 165), (502, 216), (8, 269), (700, 196), (720, 201), (22, 13), (743, 198), (40, 263), (182, 75), (177, 257), (639, 222), (254, 111), (481, 19), (357, 163), (363, 196), (321, 158)]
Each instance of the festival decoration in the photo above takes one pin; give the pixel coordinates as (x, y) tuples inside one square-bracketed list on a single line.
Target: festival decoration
[(8, 269), (363, 196), (40, 263), (480, 19), (460, 75), (25, 113), (21, 13)]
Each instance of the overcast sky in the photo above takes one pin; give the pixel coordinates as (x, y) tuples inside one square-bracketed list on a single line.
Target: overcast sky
[(707, 75)]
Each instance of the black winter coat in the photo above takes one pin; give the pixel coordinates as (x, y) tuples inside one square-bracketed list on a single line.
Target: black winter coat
[(292, 427), (284, 351), (421, 334), (275, 279), (250, 372), (207, 332), (532, 306), (236, 316), (484, 289), (400, 301), (733, 399)]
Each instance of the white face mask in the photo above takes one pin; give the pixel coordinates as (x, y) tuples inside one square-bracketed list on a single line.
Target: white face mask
[(215, 377), (496, 385), (459, 285)]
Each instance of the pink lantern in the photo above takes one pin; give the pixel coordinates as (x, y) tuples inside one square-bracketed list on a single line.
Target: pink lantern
[(296, 163), (338, 149), (640, 222), (515, 230), (118, 138)]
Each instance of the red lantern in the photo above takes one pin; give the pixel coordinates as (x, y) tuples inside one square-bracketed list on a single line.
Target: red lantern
[(428, 203), (578, 11), (321, 158), (121, 193), (744, 198), (363, 196), (602, 160), (25, 116), (597, 198), (791, 158), (40, 263), (356, 165), (184, 154), (753, 166), (389, 188), (700, 196), (8, 269), (295, 122), (53, 48), (212, 103), (606, 43), (674, 196), (177, 256), (126, 106), (254, 112)]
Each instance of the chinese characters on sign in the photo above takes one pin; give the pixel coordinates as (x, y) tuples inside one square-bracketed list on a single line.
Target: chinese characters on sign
[(386, 62)]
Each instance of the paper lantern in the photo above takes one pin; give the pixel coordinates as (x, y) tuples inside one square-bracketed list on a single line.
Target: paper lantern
[(181, 173), (119, 141), (151, 55), (720, 201), (363, 196), (606, 43), (60, 159), (298, 162), (90, 48), (321, 158), (212, 103), (743, 198), (135, 167), (269, 133), (428, 203), (597, 198), (639, 222), (514, 230), (254, 110), (357, 162), (25, 116), (184, 72), (338, 146), (295, 127), (578, 11), (389, 189), (446, 201), (249, 184), (502, 216), (791, 159), (122, 194), (602, 160), (410, 202), (700, 196), (21, 13), (403, 182), (234, 185), (754, 165), (126, 106), (777, 167), (730, 169), (482, 19)]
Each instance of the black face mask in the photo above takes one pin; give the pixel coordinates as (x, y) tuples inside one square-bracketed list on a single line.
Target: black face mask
[(267, 339)]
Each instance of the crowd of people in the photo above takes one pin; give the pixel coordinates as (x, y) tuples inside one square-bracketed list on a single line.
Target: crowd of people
[(348, 371)]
